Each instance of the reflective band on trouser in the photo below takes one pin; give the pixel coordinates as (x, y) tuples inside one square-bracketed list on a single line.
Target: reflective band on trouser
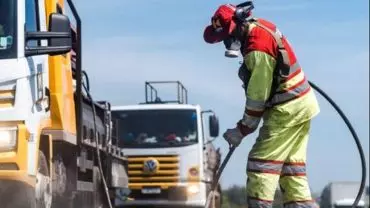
[(294, 169), (261, 166), (263, 177), (255, 202), (296, 91), (301, 204)]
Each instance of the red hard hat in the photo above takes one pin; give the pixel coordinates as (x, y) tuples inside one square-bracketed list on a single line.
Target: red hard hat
[(224, 14)]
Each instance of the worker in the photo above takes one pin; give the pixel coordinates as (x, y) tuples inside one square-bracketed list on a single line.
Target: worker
[(277, 92)]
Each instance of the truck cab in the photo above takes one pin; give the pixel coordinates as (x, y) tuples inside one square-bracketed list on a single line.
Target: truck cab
[(52, 136), (171, 158), (30, 33)]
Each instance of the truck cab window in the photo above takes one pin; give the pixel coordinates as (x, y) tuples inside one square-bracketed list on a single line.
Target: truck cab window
[(8, 29), (156, 128), (32, 20)]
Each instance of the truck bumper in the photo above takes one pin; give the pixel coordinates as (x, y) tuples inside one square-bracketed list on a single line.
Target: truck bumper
[(177, 196), (16, 194), (162, 203)]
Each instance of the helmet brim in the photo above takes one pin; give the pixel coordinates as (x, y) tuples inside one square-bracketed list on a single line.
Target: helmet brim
[(212, 36)]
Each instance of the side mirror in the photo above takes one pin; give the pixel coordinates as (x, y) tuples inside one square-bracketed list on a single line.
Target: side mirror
[(213, 126), (59, 37), (60, 24)]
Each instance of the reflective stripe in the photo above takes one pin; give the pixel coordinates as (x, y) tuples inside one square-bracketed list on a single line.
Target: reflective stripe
[(255, 105), (251, 121), (294, 169), (258, 203), (293, 81), (301, 204), (255, 109), (297, 85), (261, 166), (294, 69), (295, 92), (294, 77)]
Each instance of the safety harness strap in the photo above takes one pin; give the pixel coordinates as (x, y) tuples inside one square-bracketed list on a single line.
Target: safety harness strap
[(284, 66)]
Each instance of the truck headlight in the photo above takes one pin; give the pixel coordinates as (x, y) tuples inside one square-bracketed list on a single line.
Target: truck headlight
[(193, 189), (8, 138)]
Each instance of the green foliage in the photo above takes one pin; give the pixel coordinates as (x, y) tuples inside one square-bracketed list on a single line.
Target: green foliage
[(234, 197)]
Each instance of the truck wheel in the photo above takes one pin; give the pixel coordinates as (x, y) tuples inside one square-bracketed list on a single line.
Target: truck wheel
[(59, 176), (43, 183)]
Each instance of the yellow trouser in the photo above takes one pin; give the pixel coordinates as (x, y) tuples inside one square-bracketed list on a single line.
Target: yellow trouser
[(278, 157)]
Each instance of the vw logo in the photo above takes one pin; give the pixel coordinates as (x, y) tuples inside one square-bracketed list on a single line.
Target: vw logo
[(150, 165)]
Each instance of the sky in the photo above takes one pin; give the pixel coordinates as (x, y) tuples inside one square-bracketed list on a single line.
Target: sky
[(126, 43)]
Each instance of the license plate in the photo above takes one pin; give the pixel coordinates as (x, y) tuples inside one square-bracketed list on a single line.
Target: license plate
[(151, 190)]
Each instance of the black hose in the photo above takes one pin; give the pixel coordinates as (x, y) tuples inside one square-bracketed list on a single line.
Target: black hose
[(222, 167), (87, 86), (362, 156), (97, 142)]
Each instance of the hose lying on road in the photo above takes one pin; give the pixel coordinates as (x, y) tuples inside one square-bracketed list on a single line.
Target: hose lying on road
[(351, 129)]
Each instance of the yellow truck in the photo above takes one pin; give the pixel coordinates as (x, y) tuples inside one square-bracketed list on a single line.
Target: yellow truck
[(56, 147)]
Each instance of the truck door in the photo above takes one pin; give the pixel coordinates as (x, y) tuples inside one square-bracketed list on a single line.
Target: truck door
[(35, 21), (38, 76)]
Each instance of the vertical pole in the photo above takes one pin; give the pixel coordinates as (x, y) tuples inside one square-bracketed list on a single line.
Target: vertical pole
[(186, 95), (146, 92), (178, 91), (78, 103)]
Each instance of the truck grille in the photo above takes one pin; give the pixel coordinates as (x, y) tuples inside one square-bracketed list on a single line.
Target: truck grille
[(7, 98), (167, 171)]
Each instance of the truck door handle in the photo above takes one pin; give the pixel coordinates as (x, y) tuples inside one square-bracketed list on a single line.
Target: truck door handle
[(47, 94)]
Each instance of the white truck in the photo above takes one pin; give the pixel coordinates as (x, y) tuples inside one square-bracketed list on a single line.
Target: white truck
[(341, 195), (170, 160)]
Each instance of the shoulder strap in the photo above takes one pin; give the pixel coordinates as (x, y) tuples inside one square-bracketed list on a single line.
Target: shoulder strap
[(284, 66)]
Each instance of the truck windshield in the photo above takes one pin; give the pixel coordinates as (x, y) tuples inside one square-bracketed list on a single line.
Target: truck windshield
[(8, 29), (155, 128)]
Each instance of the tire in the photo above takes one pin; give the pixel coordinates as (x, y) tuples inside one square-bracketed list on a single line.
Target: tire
[(59, 176), (43, 183)]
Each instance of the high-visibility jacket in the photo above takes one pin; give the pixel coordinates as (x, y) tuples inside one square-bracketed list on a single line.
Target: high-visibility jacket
[(280, 96)]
